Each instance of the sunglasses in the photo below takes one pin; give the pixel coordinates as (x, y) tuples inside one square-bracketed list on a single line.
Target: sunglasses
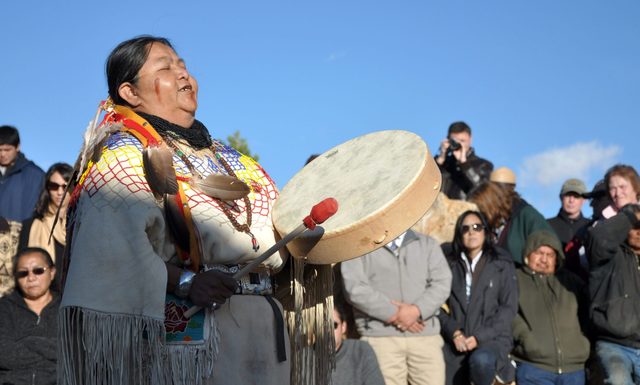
[(53, 186), (335, 325), (477, 227), (36, 271)]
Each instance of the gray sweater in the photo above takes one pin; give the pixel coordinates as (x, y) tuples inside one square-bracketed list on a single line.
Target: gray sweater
[(418, 275), (356, 364)]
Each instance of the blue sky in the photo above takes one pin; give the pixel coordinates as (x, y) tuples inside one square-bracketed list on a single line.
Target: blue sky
[(550, 88)]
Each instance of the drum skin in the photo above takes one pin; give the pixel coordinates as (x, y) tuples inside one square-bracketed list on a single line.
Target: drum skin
[(384, 183)]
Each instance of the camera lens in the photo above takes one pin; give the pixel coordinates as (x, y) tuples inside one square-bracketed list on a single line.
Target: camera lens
[(453, 145)]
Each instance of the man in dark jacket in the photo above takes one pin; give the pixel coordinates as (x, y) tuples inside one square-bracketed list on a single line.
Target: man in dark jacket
[(614, 290), (549, 343), (571, 226), (461, 168), (20, 179), (570, 220)]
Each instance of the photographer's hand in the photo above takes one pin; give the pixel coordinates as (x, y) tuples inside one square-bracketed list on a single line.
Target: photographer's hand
[(442, 155), (460, 155)]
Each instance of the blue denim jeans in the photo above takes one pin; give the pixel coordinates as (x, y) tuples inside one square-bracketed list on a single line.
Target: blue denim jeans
[(482, 366), (621, 364), (527, 374)]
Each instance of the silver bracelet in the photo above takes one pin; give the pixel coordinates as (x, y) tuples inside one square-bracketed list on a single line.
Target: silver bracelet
[(184, 285)]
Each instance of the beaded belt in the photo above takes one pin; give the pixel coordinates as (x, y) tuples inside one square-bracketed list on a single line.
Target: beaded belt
[(257, 282)]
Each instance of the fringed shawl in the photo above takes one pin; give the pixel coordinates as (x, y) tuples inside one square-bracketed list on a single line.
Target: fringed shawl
[(112, 311)]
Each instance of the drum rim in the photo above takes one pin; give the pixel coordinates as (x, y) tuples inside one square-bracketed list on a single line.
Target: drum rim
[(431, 175), (283, 192), (427, 181)]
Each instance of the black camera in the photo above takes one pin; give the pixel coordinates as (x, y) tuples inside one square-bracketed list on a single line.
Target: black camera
[(453, 145)]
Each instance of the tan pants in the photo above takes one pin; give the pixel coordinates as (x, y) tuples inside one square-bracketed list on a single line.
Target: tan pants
[(416, 360)]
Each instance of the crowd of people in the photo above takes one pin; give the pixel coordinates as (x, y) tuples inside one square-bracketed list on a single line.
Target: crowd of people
[(528, 300), (512, 297)]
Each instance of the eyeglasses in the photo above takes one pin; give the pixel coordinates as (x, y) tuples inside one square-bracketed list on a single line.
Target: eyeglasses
[(53, 186), (477, 227), (36, 271)]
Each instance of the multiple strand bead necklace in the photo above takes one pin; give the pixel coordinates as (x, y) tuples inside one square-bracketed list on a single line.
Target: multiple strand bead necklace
[(245, 227)]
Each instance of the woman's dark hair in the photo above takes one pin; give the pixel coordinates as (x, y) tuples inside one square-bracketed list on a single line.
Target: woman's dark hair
[(42, 206), (458, 245), (125, 61), (341, 308), (30, 250)]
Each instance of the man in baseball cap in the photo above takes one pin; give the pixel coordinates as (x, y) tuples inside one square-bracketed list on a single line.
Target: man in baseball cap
[(571, 226), (569, 219)]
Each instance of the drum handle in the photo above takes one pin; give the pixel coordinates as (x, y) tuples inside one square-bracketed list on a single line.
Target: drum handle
[(319, 213)]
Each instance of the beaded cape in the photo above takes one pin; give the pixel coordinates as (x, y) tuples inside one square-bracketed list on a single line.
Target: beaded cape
[(113, 301)]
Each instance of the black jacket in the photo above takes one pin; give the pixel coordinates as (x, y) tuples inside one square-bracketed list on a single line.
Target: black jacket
[(459, 179), (489, 313), (572, 233), (614, 282), (27, 342), (565, 227)]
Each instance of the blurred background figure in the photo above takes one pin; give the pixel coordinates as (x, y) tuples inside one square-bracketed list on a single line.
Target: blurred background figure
[(20, 178), (511, 219), (614, 292), (396, 292), (28, 322), (504, 177), (599, 199), (356, 363), (570, 219), (623, 184), (37, 229), (571, 226), (461, 168), (477, 322), (9, 234), (550, 345)]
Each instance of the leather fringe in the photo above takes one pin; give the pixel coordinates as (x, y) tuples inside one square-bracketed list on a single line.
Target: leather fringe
[(311, 324), (96, 348)]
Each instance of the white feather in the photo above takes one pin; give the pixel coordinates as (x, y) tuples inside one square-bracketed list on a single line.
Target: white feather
[(93, 135)]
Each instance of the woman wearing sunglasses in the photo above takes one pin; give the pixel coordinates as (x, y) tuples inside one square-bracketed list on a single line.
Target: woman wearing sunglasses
[(37, 230), (476, 323), (28, 322)]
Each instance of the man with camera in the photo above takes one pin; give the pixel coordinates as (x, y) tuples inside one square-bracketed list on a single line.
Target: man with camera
[(461, 169)]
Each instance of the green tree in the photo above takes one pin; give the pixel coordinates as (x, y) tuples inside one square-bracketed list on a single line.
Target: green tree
[(239, 143)]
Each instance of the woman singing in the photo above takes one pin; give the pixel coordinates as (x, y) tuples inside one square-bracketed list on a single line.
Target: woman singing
[(163, 210)]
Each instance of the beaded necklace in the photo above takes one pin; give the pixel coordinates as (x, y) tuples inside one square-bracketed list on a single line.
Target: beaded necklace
[(245, 227)]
